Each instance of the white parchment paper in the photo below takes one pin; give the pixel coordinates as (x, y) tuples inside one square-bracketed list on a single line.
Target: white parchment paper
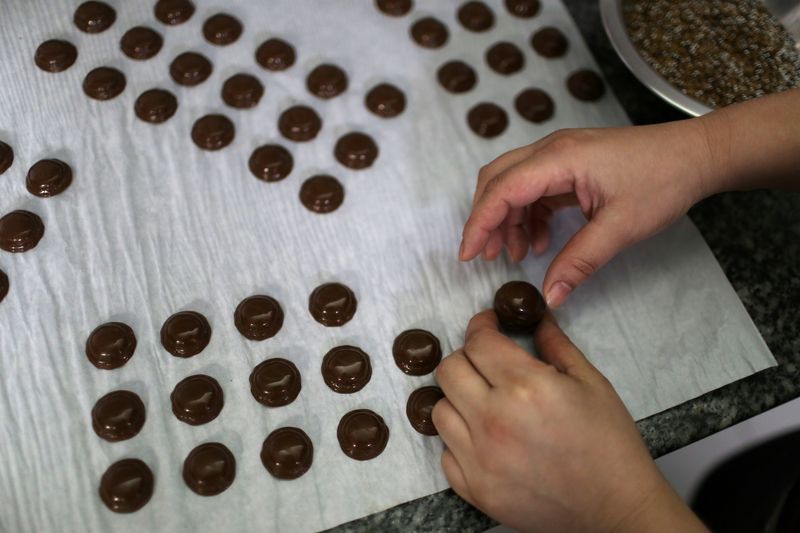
[(152, 225)]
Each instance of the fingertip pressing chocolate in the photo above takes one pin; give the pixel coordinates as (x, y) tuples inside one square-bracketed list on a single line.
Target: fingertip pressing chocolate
[(299, 123), (428, 32), (141, 43), (519, 306), (549, 42), (155, 106), (173, 12), (271, 162), (222, 29), (505, 58), (321, 194), (394, 8), (275, 55), (119, 415), (258, 317), (6, 157), (94, 17), (523, 8), (55, 55), (487, 120), (417, 352), (362, 434), (275, 382), (104, 83), (209, 469), (20, 231), (4, 285), (475, 16), (213, 132), (356, 150), (197, 400), (385, 100), (190, 69), (126, 486), (420, 407), (242, 91), (534, 105), (326, 81), (586, 85), (287, 453), (110, 345), (457, 77), (48, 177), (185, 334), (332, 304), (346, 369)]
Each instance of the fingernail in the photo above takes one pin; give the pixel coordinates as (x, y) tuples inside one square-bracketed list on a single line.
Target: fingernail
[(558, 293), (461, 250)]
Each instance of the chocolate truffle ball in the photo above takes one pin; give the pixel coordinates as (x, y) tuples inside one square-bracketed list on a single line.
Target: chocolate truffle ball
[(155, 106), (20, 231), (275, 55), (126, 486), (271, 162), (299, 123), (258, 317), (419, 409), (362, 434), (110, 345), (242, 91), (222, 29), (332, 304), (385, 100), (429, 32), (394, 8), (534, 105), (346, 369), (505, 58), (475, 16), (173, 12), (4, 285), (456, 77), (356, 150), (523, 8), (119, 415), (197, 400), (104, 83), (487, 120), (321, 194), (549, 42), (141, 43), (586, 85), (94, 17), (213, 132), (209, 469), (185, 334), (326, 81), (55, 55), (275, 382), (6, 156), (287, 453), (190, 69), (416, 352), (519, 306), (48, 177)]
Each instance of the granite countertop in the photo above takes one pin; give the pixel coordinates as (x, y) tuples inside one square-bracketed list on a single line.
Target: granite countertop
[(755, 236)]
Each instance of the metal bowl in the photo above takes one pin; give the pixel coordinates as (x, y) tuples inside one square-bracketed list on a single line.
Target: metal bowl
[(611, 13)]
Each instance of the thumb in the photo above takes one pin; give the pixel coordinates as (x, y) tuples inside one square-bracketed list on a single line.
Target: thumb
[(555, 348)]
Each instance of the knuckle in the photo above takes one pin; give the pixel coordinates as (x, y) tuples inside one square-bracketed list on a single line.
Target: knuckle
[(586, 267)]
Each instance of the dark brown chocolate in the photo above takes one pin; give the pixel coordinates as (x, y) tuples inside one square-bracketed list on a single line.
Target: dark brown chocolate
[(119, 415), (586, 85), (534, 105), (549, 42), (258, 317), (362, 434), (55, 55), (94, 17), (326, 81), (356, 150), (475, 16), (428, 32), (275, 55), (487, 120), (197, 400), (299, 123), (394, 8), (385, 100), (420, 406), (48, 177), (141, 43), (209, 469), (523, 8), (104, 83), (185, 334), (242, 91), (346, 369), (271, 162), (287, 453), (110, 345), (321, 194), (332, 304), (505, 58), (4, 285), (173, 12), (417, 352), (126, 486), (275, 382), (190, 69), (519, 306), (213, 132), (20, 231), (155, 106), (6, 156), (457, 77), (222, 29)]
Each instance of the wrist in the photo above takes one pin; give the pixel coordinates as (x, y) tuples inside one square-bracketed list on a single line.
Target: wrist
[(660, 510)]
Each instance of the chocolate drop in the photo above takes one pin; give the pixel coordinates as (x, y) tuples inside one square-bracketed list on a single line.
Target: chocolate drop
[(534, 105), (185, 334), (126, 486), (475, 16), (104, 83), (346, 369), (213, 132), (321, 194), (55, 55), (356, 150), (271, 162), (110, 345), (275, 382), (420, 407), (394, 8), (209, 469), (48, 177), (505, 58), (287, 453), (141, 43), (385, 100), (20, 231), (519, 306), (258, 317), (155, 106), (487, 120), (119, 415), (190, 69), (4, 285), (222, 29), (428, 32), (586, 85), (275, 55), (549, 42), (416, 352), (6, 156), (332, 304), (326, 81), (362, 434), (523, 8), (299, 123), (94, 17), (173, 12), (197, 400), (457, 77), (242, 91)]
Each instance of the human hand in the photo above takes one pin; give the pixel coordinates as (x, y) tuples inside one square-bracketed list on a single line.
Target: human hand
[(546, 445)]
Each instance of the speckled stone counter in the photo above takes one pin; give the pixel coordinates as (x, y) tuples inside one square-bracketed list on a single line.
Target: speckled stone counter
[(755, 237)]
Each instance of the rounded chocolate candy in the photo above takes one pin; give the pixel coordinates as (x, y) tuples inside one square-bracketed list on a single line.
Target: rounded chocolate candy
[(420, 406), (104, 83), (586, 85), (141, 43), (20, 231), (534, 105), (456, 77), (487, 120), (110, 345), (362, 434), (346, 369), (6, 156), (428, 32), (4, 285), (385, 100), (94, 17), (321, 194), (332, 304), (505, 58), (475, 16), (222, 29), (275, 54), (126, 486), (299, 123), (258, 317), (48, 177), (197, 400), (55, 55), (549, 42), (242, 91), (287, 453), (119, 415), (326, 81), (213, 132), (519, 306), (394, 8), (523, 8), (416, 352), (271, 162), (190, 69), (155, 106), (185, 334), (275, 382), (209, 469), (173, 12), (356, 150)]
